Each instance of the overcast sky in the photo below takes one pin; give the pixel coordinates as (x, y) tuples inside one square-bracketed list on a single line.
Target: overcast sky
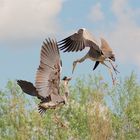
[(25, 24)]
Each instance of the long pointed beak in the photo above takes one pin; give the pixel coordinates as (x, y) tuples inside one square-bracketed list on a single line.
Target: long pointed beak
[(69, 78)]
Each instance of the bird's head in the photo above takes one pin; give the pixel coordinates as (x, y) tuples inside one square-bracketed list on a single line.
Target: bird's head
[(112, 57), (80, 31), (65, 78)]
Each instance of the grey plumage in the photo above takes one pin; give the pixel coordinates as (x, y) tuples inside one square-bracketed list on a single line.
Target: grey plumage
[(82, 39), (47, 78), (78, 41)]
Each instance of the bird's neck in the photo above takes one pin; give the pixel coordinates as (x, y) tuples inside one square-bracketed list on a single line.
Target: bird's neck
[(65, 90)]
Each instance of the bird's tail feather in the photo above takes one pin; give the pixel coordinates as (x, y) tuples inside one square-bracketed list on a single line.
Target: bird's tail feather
[(27, 87), (96, 64), (42, 110)]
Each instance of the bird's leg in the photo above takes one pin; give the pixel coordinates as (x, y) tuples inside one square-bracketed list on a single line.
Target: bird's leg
[(114, 67), (66, 94), (105, 65), (110, 71), (78, 61)]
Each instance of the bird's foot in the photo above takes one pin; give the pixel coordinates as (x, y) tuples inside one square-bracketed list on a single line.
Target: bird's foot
[(74, 65), (115, 69)]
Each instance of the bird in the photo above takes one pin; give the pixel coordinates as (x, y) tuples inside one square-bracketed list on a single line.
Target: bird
[(47, 81), (98, 53)]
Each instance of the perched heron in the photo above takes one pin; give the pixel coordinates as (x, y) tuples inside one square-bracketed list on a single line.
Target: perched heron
[(81, 39), (47, 84)]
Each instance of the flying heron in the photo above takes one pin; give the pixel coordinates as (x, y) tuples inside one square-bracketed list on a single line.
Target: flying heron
[(47, 83), (82, 39)]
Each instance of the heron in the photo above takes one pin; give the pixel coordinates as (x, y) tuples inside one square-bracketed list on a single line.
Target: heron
[(47, 83), (98, 53)]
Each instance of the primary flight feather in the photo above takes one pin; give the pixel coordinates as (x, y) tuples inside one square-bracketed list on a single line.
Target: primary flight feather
[(81, 39)]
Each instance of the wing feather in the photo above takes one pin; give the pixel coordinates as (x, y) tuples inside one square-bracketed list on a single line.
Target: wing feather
[(77, 46), (106, 50), (48, 73), (78, 41), (70, 47), (69, 43)]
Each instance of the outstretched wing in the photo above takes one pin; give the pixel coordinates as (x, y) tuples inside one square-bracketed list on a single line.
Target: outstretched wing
[(106, 50), (78, 41), (48, 73)]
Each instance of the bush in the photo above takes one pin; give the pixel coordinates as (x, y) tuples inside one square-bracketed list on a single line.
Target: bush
[(96, 111)]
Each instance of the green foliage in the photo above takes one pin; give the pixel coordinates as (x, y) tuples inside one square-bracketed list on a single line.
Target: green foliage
[(95, 111)]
